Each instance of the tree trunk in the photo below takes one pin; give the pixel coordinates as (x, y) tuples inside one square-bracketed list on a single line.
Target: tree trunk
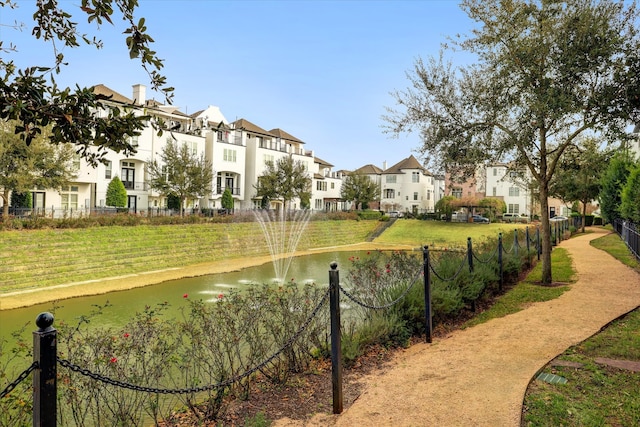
[(584, 215), (545, 234), (5, 207)]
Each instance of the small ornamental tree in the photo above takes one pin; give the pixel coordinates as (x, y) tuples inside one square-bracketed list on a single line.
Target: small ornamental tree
[(116, 193), (444, 206), (360, 189), (494, 206), (180, 172), (285, 179), (227, 200)]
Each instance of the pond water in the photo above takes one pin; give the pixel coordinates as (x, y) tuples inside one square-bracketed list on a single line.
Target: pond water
[(304, 269)]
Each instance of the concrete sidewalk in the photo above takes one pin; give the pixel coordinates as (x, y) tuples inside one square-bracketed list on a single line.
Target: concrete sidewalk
[(478, 376)]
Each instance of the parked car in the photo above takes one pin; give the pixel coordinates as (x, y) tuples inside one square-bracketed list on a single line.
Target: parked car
[(512, 217), (480, 218), (394, 214), (558, 218)]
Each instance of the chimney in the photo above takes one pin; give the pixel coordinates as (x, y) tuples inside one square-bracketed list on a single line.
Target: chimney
[(139, 94), (384, 165)]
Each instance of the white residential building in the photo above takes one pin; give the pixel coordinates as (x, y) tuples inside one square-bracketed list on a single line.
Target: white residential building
[(326, 188), (407, 187), (238, 153), (509, 186)]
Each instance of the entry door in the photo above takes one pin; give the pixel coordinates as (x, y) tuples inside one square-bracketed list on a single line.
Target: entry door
[(552, 212), (132, 203), (229, 184), (38, 202), (129, 178)]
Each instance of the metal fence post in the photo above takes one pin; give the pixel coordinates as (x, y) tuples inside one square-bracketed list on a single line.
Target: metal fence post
[(538, 247), (500, 260), (526, 235), (470, 254), (515, 241), (44, 376), (427, 295), (336, 344)]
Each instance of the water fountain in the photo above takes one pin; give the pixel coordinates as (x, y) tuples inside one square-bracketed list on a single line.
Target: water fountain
[(282, 231)]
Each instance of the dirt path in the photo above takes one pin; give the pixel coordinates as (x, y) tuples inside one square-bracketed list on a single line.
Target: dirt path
[(478, 376)]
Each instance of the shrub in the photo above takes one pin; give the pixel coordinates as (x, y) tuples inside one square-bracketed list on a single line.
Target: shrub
[(370, 215)]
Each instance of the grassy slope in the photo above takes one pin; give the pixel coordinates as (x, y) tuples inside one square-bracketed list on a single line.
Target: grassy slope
[(49, 257)]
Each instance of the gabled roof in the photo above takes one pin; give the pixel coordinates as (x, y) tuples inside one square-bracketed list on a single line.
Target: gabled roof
[(369, 170), (322, 162), (114, 96), (409, 163), (250, 127), (284, 135)]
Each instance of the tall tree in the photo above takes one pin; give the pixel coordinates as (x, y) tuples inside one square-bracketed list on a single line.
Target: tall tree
[(39, 164), (612, 182), (181, 173), (116, 193), (359, 189), (630, 207), (285, 180), (31, 98), (546, 73), (579, 174)]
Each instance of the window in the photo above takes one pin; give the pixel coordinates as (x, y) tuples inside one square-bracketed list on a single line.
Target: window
[(456, 192), (193, 147), (107, 169), (261, 143), (428, 194), (268, 158), (514, 208), (514, 191), (76, 163), (415, 195), (389, 193), (391, 179), (69, 198), (318, 204), (229, 155), (415, 176), (133, 141), (495, 172), (495, 191), (333, 185), (321, 185)]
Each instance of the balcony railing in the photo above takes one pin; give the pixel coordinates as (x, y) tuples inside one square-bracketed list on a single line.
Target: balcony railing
[(235, 191), (135, 186)]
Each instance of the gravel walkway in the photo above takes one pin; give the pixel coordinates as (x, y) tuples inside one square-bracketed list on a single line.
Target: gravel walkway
[(478, 376)]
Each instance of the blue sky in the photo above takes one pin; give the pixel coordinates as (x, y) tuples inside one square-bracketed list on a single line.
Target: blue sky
[(321, 70)]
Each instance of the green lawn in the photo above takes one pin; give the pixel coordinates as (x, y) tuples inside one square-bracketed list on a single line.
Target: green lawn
[(440, 233), (595, 394)]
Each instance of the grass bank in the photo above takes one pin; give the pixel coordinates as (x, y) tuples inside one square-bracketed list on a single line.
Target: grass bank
[(45, 259)]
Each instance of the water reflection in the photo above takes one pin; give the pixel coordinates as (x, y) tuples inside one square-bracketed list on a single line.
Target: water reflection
[(123, 304)]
